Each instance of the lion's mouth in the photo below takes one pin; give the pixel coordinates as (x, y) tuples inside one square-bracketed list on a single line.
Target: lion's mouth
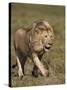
[(46, 48)]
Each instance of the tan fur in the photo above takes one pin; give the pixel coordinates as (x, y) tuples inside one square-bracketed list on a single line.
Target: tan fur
[(37, 39)]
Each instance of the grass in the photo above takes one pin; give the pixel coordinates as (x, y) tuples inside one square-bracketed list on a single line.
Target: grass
[(23, 15)]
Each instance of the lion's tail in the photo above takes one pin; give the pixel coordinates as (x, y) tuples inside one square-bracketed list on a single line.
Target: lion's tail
[(14, 65)]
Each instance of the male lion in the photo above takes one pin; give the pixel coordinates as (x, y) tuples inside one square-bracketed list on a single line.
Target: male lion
[(33, 42)]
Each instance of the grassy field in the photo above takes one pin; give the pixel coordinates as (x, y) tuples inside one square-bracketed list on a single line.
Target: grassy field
[(23, 15)]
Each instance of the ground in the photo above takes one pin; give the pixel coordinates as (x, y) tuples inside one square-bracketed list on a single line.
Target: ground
[(23, 15)]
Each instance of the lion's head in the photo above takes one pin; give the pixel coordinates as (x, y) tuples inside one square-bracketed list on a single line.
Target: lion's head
[(42, 36)]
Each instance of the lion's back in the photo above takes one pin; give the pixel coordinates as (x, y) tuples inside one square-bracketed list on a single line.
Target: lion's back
[(20, 40)]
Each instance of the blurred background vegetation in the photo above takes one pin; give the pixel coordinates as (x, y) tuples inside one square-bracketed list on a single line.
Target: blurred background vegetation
[(23, 15)]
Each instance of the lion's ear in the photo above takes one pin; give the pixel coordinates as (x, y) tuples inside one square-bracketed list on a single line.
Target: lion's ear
[(33, 26)]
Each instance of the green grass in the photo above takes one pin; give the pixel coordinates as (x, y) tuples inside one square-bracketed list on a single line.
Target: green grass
[(23, 15)]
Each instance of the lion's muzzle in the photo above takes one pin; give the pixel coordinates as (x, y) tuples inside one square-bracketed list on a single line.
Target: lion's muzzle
[(47, 47)]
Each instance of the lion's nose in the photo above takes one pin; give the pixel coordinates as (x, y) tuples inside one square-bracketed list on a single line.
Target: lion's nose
[(50, 44)]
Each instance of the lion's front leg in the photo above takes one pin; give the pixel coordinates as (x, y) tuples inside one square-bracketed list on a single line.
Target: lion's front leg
[(39, 65), (36, 71)]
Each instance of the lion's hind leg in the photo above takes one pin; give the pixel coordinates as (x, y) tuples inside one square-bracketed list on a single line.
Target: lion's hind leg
[(35, 71), (19, 64), (20, 71)]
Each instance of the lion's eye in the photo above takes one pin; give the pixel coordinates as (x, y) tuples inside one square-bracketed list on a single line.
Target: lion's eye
[(46, 36)]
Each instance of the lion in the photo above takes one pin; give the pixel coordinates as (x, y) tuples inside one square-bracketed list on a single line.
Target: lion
[(33, 43)]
